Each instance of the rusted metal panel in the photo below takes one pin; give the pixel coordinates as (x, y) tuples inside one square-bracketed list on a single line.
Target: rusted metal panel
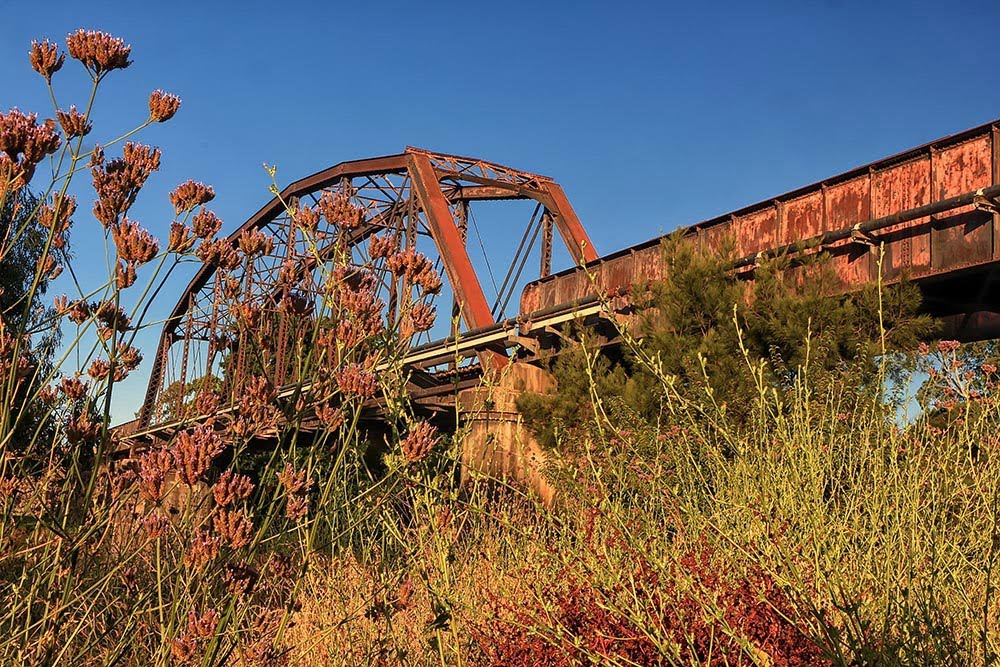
[(899, 188), (964, 236), (574, 236), (803, 217), (714, 237), (849, 203), (756, 231)]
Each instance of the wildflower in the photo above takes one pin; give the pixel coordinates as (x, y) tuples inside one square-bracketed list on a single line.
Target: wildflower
[(124, 275), (380, 247), (82, 429), (296, 507), (129, 358), (163, 106), (73, 388), (417, 269), (207, 402), (45, 58), (181, 238), (354, 380), (48, 395), (231, 288), (293, 481), (332, 418), (248, 314), (25, 143), (153, 469), (49, 266), (946, 346), (218, 253), (233, 527), (256, 407), (194, 452), (231, 487), (419, 441), (156, 525), (99, 369), (306, 218), (74, 123), (294, 303), (117, 182), (203, 549), (135, 245), (421, 317), (79, 312), (183, 648), (112, 316), (99, 52), (338, 210), (205, 224), (203, 626), (253, 242), (989, 369), (240, 578), (189, 195)]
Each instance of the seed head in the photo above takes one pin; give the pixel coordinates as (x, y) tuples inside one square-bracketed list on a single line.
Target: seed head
[(355, 380), (156, 525), (181, 238), (233, 527), (82, 429), (296, 507), (194, 452), (203, 626), (153, 469), (45, 58), (293, 481), (203, 549), (419, 441), (338, 210), (206, 224), (230, 488), (74, 123), (189, 195), (135, 245), (99, 52), (163, 106), (73, 388)]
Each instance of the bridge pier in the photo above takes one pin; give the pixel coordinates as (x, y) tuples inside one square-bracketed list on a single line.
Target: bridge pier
[(497, 443)]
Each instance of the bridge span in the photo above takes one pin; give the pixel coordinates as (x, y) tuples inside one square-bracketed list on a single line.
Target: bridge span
[(931, 212)]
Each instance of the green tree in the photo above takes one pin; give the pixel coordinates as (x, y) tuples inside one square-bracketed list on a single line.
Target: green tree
[(703, 322), (21, 248)]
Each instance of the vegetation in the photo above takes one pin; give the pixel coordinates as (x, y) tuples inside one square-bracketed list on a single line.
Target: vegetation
[(735, 489)]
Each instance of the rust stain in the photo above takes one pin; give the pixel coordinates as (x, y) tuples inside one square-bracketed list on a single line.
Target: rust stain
[(899, 188), (963, 235), (803, 217), (756, 231)]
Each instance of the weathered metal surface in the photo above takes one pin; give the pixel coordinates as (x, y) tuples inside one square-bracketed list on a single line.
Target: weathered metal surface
[(920, 248), (930, 213)]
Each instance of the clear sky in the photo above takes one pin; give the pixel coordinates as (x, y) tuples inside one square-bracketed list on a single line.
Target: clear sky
[(652, 115)]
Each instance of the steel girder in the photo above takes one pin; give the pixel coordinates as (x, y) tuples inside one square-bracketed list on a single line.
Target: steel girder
[(417, 194)]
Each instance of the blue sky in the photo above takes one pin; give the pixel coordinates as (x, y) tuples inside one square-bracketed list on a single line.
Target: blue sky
[(651, 115)]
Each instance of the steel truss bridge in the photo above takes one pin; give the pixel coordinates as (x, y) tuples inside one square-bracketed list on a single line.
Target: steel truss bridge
[(932, 210)]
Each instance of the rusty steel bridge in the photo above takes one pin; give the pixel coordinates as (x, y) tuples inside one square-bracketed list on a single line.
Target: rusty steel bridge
[(932, 214)]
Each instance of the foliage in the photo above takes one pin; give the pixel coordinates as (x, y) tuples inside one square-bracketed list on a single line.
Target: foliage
[(698, 321)]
